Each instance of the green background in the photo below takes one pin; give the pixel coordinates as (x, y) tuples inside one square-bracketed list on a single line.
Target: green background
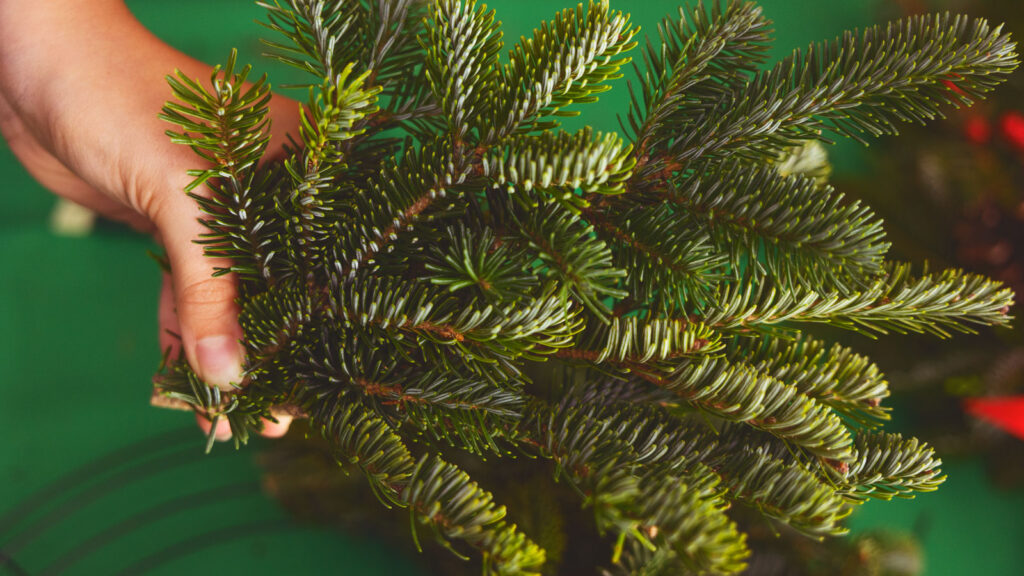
[(78, 347)]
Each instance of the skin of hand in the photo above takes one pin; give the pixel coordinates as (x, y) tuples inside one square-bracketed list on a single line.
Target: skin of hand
[(81, 84)]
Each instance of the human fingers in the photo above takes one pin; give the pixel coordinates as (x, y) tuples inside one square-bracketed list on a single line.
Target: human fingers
[(205, 305), (270, 429), (277, 429), (223, 431), (204, 309)]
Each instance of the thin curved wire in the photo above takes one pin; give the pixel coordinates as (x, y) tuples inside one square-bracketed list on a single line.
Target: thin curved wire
[(150, 515), (202, 541), (73, 479), (118, 480)]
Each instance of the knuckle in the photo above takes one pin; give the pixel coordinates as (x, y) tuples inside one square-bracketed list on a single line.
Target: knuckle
[(210, 293), (138, 195)]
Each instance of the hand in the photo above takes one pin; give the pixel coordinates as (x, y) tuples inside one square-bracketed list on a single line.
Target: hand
[(81, 84)]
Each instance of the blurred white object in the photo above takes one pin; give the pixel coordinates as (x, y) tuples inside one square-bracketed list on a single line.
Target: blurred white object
[(809, 159), (70, 219)]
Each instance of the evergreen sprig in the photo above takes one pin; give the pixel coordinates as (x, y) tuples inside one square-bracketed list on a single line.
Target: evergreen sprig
[(439, 269), (226, 125), (857, 86), (701, 56), (567, 61), (849, 383), (786, 227)]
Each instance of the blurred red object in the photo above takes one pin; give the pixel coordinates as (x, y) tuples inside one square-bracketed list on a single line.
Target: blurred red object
[(1012, 125), (1006, 412), (978, 130)]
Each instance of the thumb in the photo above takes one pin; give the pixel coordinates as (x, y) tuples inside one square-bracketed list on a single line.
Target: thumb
[(206, 307)]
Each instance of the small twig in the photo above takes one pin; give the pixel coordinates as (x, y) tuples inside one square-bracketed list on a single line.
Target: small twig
[(163, 401)]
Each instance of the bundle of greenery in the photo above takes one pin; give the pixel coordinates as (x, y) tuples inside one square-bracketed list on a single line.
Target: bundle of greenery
[(437, 270)]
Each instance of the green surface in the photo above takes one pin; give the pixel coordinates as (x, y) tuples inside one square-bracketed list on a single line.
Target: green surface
[(966, 528), (78, 346)]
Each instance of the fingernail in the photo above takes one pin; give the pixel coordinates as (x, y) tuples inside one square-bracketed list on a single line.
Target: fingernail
[(277, 429), (221, 434), (220, 361)]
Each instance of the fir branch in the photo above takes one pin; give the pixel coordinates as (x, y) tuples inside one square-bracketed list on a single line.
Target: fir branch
[(738, 393), (461, 43), (671, 260), (437, 494), (319, 34), (687, 516), (396, 310), (952, 300), (469, 413), (787, 491), (476, 260), (699, 58), (596, 462), (227, 128), (329, 120), (785, 226), (333, 113), (633, 342), (409, 268), (274, 322), (392, 52), (405, 192), (177, 383), (566, 61), (889, 466), (392, 55), (784, 491), (665, 444), (856, 86), (367, 441), (683, 515), (568, 251), (444, 498), (560, 164), (323, 37), (847, 382), (465, 410)]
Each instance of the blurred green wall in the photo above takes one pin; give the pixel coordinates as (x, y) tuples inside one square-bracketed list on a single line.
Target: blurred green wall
[(78, 347)]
